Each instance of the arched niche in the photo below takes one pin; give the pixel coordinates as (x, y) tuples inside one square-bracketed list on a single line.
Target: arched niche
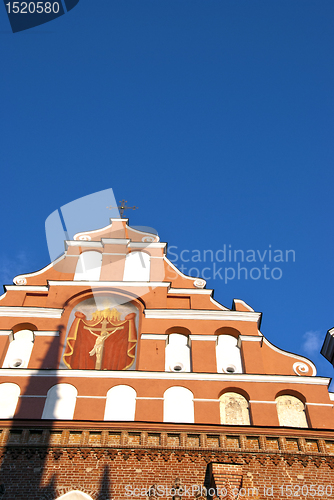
[(60, 402), (234, 409), (19, 349), (137, 266), (88, 266), (9, 396), (179, 405), (123, 320), (177, 355), (291, 411), (227, 330), (121, 403), (24, 326), (228, 354)]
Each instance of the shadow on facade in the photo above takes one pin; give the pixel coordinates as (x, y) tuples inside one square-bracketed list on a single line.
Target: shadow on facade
[(34, 454)]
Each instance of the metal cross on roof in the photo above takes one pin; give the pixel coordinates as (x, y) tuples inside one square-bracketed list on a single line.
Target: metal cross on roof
[(123, 207)]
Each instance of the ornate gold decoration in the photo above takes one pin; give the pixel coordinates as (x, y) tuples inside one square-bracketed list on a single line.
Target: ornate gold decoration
[(111, 314)]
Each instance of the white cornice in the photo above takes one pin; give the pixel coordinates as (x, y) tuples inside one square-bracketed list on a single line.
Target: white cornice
[(37, 333), (31, 312), (84, 244), (213, 338), (153, 336), (27, 288), (197, 314), (114, 284), (174, 376), (249, 338), (140, 244), (46, 333), (319, 404), (193, 291), (242, 302), (115, 241)]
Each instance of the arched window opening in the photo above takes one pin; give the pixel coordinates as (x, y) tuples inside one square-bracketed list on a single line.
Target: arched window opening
[(234, 409), (121, 403), (9, 396), (179, 405), (137, 267), (291, 411), (228, 355), (19, 350), (60, 402), (177, 358), (88, 266)]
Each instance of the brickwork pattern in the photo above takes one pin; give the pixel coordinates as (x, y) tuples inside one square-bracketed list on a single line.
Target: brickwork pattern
[(120, 465)]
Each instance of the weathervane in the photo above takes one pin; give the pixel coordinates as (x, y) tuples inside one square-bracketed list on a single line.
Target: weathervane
[(123, 207)]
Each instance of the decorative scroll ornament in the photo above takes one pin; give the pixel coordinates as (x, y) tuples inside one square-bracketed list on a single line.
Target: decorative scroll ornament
[(199, 283), (300, 368), (85, 237), (148, 239), (19, 281)]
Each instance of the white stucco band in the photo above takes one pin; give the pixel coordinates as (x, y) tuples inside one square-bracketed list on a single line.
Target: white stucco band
[(145, 375)]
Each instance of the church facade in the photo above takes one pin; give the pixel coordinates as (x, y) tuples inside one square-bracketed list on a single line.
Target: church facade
[(123, 378)]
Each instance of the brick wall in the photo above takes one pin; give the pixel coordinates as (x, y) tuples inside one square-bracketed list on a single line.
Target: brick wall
[(123, 463)]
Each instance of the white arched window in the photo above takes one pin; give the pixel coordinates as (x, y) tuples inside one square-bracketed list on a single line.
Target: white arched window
[(228, 355), (19, 350), (75, 495), (177, 357), (234, 409), (9, 396), (291, 411), (60, 402), (179, 405), (121, 403), (137, 267), (88, 266)]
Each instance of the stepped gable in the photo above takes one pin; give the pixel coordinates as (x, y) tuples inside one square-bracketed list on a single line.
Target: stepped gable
[(117, 365)]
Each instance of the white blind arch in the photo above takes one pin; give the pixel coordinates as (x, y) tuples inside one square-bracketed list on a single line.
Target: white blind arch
[(291, 411), (137, 266), (19, 350), (179, 405), (228, 355), (88, 266), (177, 355), (75, 495), (9, 396), (234, 409), (121, 403), (60, 402)]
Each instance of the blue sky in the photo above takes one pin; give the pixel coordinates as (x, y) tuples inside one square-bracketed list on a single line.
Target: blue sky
[(214, 117)]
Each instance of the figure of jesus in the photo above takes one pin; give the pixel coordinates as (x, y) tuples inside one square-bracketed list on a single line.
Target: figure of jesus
[(100, 340)]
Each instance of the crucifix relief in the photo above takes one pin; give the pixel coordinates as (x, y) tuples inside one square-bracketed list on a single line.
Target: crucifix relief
[(100, 340), (103, 343)]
